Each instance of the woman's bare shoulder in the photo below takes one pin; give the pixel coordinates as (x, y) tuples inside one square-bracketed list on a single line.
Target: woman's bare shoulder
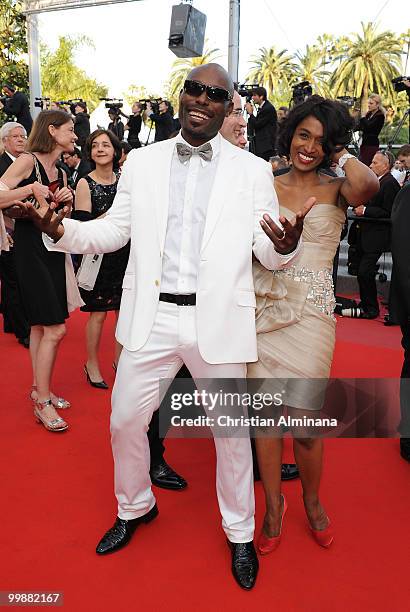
[(25, 160)]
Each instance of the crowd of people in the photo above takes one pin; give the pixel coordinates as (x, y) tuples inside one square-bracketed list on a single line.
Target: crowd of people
[(194, 280)]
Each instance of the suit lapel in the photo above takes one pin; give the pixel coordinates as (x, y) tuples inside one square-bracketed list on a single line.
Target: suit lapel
[(221, 190), (164, 161)]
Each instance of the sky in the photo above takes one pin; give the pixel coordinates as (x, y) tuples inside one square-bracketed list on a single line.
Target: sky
[(131, 39)]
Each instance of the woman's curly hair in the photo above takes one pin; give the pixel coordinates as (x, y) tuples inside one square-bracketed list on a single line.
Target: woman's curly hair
[(333, 115)]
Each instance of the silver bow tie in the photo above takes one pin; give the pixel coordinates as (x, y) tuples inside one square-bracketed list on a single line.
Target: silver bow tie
[(185, 152)]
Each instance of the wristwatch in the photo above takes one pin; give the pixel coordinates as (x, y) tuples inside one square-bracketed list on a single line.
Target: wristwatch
[(344, 158)]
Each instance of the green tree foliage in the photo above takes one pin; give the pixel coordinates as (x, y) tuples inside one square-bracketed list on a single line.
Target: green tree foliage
[(276, 71), (62, 79), (368, 62), (135, 93), (312, 67), (13, 44)]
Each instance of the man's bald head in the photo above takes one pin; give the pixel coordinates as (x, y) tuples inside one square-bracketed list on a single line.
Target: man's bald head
[(212, 71), (202, 116)]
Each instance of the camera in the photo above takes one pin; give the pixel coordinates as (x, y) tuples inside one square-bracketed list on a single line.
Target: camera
[(113, 104), (42, 103), (155, 102), (399, 84), (354, 312), (301, 92), (350, 101), (70, 103), (246, 91)]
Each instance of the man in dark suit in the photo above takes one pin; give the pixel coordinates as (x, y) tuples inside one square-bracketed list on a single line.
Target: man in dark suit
[(78, 166), (13, 138), (16, 104), (374, 236), (263, 125), (400, 247)]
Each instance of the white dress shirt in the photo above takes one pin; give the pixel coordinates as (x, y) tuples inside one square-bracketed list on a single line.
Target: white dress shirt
[(189, 191)]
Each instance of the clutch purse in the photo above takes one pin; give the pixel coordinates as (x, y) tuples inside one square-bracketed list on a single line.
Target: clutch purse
[(88, 271)]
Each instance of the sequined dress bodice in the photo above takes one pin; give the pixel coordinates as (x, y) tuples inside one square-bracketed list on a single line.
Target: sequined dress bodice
[(102, 196)]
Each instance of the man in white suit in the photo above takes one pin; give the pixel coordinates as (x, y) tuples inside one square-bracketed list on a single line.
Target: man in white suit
[(195, 207)]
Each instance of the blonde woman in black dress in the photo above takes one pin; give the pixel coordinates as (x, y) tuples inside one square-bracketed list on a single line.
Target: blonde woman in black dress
[(41, 274)]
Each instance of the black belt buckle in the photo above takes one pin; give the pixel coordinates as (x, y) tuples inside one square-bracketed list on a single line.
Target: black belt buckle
[(186, 300)]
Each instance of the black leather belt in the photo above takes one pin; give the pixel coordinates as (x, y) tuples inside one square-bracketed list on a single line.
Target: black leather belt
[(179, 300)]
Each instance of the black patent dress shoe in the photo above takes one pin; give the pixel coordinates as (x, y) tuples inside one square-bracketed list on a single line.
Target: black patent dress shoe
[(245, 564), (163, 476), (405, 448), (101, 384), (289, 471), (122, 531)]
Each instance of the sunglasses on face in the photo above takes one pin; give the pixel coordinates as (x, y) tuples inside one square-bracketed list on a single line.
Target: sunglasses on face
[(216, 94)]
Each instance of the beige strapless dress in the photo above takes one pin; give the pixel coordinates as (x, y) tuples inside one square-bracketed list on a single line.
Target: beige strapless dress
[(294, 316)]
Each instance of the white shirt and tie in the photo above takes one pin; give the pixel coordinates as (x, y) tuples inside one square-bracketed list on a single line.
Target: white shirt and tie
[(191, 183)]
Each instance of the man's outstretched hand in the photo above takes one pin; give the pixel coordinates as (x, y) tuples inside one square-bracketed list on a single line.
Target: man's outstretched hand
[(285, 240), (44, 217)]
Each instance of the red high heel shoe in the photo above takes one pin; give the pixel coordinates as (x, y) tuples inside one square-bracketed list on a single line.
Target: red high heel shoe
[(323, 537), (267, 545)]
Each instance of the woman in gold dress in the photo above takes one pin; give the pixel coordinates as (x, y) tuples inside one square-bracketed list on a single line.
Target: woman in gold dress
[(314, 135)]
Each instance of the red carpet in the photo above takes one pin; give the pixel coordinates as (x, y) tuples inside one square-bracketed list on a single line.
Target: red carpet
[(58, 500)]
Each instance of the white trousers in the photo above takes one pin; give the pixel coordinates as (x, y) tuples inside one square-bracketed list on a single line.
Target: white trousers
[(172, 342)]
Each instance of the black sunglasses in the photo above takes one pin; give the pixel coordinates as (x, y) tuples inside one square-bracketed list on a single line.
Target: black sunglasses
[(216, 94)]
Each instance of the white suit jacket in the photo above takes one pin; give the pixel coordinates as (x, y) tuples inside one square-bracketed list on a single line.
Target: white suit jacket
[(225, 308)]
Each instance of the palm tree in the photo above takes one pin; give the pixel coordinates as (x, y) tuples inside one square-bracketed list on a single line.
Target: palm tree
[(182, 67), (368, 62), (62, 79), (327, 44), (275, 71), (311, 68)]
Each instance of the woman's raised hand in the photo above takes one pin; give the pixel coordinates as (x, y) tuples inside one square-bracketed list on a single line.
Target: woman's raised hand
[(285, 240)]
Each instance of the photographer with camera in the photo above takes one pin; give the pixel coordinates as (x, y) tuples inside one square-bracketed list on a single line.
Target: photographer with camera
[(81, 123), (263, 125), (134, 124), (116, 126), (15, 103), (162, 115)]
